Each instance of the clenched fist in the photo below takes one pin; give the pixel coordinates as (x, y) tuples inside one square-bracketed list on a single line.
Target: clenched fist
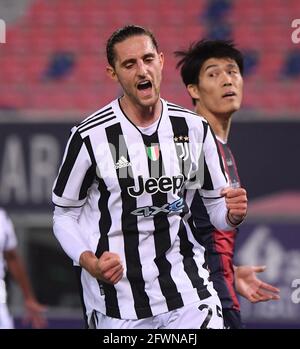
[(236, 203), (107, 268)]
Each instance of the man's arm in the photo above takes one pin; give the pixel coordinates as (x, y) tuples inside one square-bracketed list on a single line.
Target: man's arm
[(34, 309), (107, 268), (70, 192), (227, 207), (250, 287)]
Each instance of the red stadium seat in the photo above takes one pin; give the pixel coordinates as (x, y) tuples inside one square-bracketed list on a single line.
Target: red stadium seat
[(81, 28)]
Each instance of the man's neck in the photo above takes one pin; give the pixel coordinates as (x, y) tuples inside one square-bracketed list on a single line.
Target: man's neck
[(219, 123), (141, 116)]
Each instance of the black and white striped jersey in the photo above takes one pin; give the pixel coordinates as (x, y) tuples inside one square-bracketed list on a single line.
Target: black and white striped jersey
[(134, 191)]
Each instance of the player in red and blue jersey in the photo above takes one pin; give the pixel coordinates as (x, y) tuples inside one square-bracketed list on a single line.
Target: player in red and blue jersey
[(212, 72)]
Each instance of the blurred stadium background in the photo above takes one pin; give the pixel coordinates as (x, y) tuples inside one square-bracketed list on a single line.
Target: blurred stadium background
[(52, 75)]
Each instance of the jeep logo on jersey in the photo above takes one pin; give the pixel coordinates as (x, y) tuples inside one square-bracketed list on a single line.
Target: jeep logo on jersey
[(152, 185)]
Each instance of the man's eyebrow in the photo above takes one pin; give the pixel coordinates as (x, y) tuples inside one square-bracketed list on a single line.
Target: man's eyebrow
[(229, 65), (210, 66), (232, 65), (129, 60), (147, 55), (133, 60)]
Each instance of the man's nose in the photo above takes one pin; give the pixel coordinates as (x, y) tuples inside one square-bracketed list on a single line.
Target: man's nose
[(227, 79), (142, 69)]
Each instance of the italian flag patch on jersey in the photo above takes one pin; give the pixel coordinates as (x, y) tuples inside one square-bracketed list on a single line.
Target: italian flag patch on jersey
[(153, 152)]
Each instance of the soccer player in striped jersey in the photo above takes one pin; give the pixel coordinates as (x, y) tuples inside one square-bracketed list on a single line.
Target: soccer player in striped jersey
[(10, 259), (122, 200), (212, 72)]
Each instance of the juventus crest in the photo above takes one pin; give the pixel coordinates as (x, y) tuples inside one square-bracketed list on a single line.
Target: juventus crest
[(182, 144)]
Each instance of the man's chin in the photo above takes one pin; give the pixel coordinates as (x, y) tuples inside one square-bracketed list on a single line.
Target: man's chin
[(231, 109), (149, 101), (224, 113)]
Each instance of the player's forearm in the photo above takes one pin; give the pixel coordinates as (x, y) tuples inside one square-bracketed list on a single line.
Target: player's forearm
[(18, 271), (88, 261), (217, 211), (67, 231)]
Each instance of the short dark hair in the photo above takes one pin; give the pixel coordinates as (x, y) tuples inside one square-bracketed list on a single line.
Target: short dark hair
[(193, 59), (122, 34)]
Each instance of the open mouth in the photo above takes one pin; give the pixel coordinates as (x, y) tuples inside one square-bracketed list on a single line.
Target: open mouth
[(144, 85), (229, 94)]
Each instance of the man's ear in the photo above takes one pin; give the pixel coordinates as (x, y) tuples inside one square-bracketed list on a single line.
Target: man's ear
[(111, 73), (193, 91), (161, 59)]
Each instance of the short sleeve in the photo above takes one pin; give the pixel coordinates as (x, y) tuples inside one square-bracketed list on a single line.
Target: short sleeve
[(75, 174)]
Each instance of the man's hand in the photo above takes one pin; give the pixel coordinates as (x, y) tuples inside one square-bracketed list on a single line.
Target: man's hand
[(107, 268), (35, 313), (250, 287), (236, 203)]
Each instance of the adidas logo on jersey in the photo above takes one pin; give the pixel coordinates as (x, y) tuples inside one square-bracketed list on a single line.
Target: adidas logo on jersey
[(122, 163)]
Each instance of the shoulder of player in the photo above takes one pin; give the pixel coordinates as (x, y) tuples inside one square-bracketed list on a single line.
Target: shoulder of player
[(191, 117), (178, 110), (99, 118)]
